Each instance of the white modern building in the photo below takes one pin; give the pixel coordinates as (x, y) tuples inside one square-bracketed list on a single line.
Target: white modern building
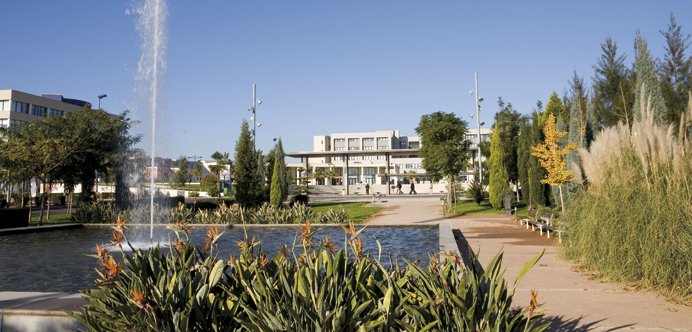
[(344, 163)]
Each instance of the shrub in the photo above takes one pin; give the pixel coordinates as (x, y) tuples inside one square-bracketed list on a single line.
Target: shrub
[(299, 198), (633, 221), (333, 217), (57, 199), (193, 194), (475, 191), (3, 203), (94, 213), (184, 288)]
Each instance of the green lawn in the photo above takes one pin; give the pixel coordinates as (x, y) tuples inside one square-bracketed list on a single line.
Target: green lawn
[(55, 218), (357, 211), (465, 208)]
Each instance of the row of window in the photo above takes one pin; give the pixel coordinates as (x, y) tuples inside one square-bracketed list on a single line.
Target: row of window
[(36, 110), (11, 123), (354, 144)]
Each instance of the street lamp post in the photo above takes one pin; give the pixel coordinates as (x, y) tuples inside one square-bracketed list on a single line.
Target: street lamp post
[(478, 124), (253, 110), (101, 97)]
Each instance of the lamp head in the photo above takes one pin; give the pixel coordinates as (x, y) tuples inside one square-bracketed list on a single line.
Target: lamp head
[(103, 96)]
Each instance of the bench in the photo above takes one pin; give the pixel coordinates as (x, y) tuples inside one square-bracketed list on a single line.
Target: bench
[(532, 218), (547, 219)]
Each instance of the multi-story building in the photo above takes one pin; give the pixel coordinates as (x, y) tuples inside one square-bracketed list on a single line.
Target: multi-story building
[(17, 108), (347, 162)]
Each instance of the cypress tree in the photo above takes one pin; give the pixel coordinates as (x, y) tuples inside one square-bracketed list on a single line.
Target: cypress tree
[(647, 87), (523, 155), (247, 180), (612, 87), (507, 126), (676, 72), (499, 179), (279, 183)]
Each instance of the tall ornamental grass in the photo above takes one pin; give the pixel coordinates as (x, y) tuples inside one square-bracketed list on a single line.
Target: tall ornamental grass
[(632, 222)]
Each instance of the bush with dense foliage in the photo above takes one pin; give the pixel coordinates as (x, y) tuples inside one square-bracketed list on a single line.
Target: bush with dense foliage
[(634, 220), (314, 286)]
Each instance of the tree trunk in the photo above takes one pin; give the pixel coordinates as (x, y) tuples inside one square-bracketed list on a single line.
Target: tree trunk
[(516, 187), (450, 188), (42, 199), (562, 201)]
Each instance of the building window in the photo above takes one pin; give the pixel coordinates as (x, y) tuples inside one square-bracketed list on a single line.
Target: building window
[(355, 158), (4, 105), (353, 144), (54, 112), (16, 124), (369, 175), (383, 143), (4, 123), (38, 110), (339, 148), (20, 107)]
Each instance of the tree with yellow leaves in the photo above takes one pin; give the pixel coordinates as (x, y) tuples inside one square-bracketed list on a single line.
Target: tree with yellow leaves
[(552, 158)]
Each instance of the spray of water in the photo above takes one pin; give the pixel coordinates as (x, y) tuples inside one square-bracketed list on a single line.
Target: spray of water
[(151, 26)]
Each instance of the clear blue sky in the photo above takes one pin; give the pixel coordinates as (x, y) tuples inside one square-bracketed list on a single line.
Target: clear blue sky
[(320, 66)]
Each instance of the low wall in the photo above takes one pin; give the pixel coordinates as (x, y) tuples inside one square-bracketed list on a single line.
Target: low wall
[(14, 217)]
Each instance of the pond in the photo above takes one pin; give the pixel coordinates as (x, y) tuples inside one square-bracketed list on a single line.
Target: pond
[(58, 261)]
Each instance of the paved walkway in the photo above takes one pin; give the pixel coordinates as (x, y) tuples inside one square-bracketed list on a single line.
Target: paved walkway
[(573, 300)]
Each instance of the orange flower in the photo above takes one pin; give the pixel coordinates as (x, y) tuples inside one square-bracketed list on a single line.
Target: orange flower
[(138, 298), (328, 244), (212, 233), (179, 244), (117, 237), (101, 253), (533, 304), (111, 268), (231, 260)]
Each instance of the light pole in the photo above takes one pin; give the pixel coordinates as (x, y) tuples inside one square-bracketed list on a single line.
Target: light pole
[(253, 110), (478, 124), (101, 97)]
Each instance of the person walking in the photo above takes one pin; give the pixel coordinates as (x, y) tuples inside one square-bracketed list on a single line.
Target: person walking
[(398, 188), (413, 189)]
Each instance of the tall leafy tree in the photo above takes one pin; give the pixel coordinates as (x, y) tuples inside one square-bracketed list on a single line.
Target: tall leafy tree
[(499, 178), (507, 126), (647, 87), (538, 192), (523, 155), (556, 107), (675, 71), (444, 146), (248, 183), (222, 160), (613, 98), (279, 182), (552, 158), (183, 169)]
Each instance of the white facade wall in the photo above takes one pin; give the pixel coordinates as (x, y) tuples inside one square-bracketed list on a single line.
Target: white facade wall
[(372, 169)]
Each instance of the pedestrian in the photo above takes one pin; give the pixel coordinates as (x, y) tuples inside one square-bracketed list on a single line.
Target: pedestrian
[(398, 188), (367, 189), (413, 189)]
